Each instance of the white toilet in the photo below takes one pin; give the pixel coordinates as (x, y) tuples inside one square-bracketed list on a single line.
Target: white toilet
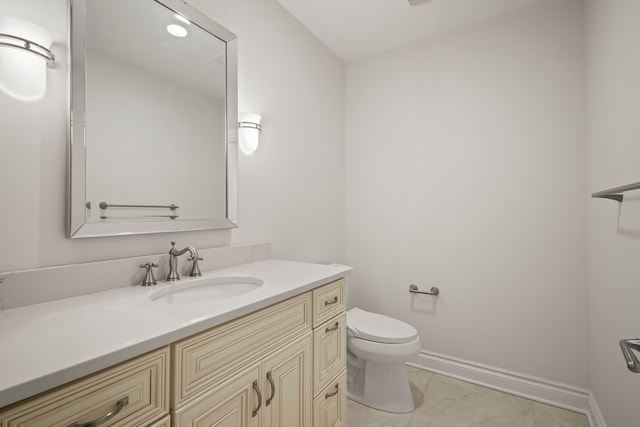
[(377, 349)]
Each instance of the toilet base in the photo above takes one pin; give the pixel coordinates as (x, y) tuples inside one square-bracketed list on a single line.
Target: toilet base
[(383, 386)]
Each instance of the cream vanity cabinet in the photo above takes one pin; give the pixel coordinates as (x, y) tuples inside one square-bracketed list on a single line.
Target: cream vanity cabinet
[(281, 366), (252, 371)]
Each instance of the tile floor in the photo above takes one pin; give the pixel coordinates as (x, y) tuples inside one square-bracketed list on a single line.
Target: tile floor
[(445, 402)]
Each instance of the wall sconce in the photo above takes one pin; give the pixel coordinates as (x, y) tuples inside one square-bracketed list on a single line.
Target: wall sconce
[(249, 129), (24, 55)]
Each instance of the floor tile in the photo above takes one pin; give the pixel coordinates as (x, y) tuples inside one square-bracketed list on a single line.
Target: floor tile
[(362, 416), (418, 381), (450, 402), (447, 402), (550, 416)]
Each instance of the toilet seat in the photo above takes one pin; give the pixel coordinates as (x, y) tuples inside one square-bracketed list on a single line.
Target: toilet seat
[(379, 328), (383, 352)]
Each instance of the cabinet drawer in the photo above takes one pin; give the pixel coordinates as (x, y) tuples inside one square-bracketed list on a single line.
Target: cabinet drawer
[(328, 301), (142, 381), (330, 351), (203, 360), (330, 406)]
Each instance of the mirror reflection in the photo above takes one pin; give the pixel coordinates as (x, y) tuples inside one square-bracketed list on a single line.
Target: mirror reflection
[(157, 109)]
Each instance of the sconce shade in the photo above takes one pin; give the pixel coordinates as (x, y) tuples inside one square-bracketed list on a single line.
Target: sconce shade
[(24, 55), (249, 129)]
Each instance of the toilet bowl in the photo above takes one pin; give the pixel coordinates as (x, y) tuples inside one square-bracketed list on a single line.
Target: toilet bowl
[(377, 349)]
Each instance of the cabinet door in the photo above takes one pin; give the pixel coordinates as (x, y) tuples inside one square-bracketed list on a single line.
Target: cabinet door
[(234, 403), (287, 385), (330, 351), (330, 406)]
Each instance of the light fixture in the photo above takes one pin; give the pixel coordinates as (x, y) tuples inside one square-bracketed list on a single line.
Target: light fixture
[(249, 129), (177, 30), (25, 54)]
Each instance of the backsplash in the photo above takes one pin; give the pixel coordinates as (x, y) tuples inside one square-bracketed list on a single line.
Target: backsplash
[(35, 286)]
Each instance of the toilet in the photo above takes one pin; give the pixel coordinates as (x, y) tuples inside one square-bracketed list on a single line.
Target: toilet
[(377, 349)]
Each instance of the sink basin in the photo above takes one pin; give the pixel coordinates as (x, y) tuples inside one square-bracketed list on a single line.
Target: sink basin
[(206, 288)]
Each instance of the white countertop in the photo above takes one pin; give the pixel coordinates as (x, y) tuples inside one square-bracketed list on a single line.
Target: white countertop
[(49, 344)]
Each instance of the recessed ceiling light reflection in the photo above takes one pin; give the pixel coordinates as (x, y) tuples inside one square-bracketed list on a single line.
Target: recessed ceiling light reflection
[(177, 30), (182, 19)]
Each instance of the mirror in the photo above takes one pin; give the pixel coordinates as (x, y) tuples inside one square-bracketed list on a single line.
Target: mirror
[(153, 119)]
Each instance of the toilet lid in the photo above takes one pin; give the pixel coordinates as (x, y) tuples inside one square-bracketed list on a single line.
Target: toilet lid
[(378, 328)]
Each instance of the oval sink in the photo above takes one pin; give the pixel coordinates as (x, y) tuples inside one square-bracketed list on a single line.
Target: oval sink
[(206, 288)]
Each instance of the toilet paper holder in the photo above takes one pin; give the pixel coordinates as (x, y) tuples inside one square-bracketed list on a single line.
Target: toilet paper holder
[(414, 290)]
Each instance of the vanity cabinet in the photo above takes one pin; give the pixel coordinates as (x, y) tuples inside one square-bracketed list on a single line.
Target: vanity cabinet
[(275, 392), (204, 360), (133, 393), (255, 370), (281, 366)]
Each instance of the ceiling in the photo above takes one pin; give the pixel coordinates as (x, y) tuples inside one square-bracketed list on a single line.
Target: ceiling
[(355, 29)]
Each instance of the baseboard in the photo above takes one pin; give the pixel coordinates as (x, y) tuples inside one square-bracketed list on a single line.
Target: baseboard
[(595, 417), (538, 389)]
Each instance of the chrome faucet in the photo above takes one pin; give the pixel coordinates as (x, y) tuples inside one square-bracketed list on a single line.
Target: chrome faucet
[(173, 262)]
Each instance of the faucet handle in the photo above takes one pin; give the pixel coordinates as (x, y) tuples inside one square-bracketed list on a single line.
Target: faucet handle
[(149, 279), (195, 269), (149, 265)]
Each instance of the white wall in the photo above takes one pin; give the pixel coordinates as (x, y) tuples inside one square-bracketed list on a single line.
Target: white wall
[(291, 193), (466, 170), (292, 188), (613, 134)]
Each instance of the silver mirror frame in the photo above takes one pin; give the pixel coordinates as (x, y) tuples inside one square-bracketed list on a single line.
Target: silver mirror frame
[(77, 226)]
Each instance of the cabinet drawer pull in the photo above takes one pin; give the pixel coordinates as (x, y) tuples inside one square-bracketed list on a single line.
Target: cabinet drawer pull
[(257, 389), (273, 389), (106, 417), (333, 328), (334, 301), (333, 393)]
